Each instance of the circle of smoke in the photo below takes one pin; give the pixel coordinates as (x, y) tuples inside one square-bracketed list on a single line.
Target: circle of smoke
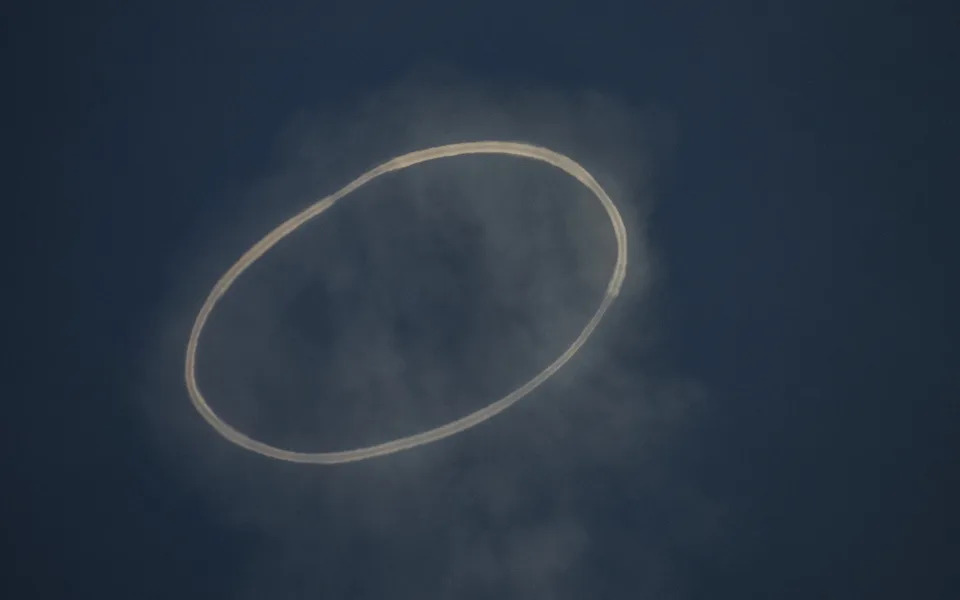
[(555, 159)]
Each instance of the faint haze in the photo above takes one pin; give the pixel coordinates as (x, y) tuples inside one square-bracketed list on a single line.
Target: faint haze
[(422, 297)]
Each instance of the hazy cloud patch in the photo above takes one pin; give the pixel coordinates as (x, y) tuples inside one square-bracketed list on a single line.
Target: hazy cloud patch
[(414, 301)]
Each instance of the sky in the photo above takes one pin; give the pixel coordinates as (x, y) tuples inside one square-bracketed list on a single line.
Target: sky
[(768, 410)]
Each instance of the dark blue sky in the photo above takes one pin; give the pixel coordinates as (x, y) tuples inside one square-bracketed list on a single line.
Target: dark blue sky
[(804, 193)]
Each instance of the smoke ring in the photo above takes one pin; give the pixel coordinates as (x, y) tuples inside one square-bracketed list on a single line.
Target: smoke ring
[(550, 157)]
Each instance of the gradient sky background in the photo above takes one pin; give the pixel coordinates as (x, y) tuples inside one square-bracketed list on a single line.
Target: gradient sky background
[(804, 175)]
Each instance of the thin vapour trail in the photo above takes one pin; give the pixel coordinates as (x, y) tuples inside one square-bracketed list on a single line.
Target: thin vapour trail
[(555, 159)]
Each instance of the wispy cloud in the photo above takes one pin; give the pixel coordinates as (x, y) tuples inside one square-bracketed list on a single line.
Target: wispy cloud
[(415, 301)]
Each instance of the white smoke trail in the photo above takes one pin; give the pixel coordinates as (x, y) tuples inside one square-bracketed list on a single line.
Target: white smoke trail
[(555, 159)]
